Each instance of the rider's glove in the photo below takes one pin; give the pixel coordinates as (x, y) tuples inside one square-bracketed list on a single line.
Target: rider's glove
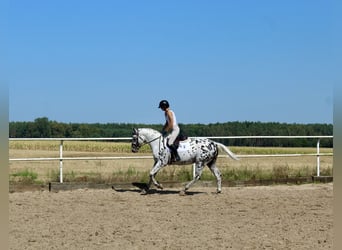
[(164, 133)]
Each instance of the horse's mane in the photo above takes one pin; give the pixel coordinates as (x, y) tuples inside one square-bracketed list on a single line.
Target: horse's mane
[(151, 130)]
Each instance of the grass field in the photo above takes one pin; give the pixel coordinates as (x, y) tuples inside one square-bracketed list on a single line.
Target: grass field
[(126, 170)]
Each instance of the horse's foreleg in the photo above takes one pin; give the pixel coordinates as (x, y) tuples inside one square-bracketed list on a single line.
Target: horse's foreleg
[(216, 172), (153, 173)]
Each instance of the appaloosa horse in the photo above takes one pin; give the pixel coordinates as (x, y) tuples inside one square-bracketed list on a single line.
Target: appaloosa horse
[(201, 151)]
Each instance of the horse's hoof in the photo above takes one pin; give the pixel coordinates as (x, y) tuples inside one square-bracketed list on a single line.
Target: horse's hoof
[(143, 192), (182, 193), (218, 191)]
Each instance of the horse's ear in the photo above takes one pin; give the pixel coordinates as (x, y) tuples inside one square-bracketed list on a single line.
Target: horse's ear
[(135, 131)]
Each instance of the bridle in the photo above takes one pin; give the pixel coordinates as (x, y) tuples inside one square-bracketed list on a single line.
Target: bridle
[(137, 136)]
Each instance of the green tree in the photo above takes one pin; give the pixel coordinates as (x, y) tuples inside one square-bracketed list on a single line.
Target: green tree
[(42, 128)]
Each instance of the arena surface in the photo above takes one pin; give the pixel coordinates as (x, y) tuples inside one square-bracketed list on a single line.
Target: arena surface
[(264, 217)]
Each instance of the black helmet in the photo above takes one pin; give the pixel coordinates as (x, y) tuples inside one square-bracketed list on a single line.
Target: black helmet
[(164, 104)]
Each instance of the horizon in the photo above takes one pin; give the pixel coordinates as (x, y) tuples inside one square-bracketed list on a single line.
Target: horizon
[(212, 123)]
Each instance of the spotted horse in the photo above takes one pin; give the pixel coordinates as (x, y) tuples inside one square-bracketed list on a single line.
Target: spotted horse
[(200, 151)]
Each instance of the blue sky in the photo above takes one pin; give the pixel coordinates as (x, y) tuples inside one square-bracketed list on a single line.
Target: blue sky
[(215, 61)]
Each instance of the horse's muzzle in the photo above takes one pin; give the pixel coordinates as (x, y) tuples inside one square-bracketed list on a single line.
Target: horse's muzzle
[(135, 149)]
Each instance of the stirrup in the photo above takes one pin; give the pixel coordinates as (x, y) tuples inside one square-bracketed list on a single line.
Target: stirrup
[(175, 157)]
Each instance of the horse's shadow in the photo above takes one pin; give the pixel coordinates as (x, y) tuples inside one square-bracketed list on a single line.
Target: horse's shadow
[(152, 191)]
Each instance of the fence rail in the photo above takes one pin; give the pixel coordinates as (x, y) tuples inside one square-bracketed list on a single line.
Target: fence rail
[(61, 140)]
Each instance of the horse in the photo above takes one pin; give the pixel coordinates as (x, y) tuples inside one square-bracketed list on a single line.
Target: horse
[(199, 151)]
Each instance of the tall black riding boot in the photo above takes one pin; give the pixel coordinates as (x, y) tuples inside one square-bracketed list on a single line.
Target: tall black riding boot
[(174, 152)]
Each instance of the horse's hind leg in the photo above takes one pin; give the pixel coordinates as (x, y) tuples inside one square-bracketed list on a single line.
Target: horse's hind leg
[(216, 172), (198, 173)]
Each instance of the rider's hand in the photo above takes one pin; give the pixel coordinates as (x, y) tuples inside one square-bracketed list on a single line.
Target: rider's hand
[(164, 133)]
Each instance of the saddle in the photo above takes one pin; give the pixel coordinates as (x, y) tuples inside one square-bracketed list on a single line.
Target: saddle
[(179, 138), (174, 147)]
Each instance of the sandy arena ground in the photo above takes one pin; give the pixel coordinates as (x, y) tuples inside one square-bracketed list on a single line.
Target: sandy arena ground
[(270, 217)]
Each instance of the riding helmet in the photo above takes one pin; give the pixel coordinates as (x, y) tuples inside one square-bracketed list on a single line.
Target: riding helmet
[(164, 104)]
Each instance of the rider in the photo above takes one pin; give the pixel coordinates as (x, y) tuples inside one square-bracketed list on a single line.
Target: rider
[(170, 126)]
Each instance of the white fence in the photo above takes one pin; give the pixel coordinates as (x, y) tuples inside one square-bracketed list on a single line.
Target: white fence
[(61, 140)]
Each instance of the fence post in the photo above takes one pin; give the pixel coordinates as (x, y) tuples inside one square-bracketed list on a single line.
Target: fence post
[(61, 162), (193, 170), (318, 170)]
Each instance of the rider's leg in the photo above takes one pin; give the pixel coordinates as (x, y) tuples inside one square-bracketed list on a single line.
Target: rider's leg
[(172, 137), (174, 152)]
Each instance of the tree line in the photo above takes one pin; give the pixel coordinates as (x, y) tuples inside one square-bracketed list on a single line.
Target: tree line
[(44, 128)]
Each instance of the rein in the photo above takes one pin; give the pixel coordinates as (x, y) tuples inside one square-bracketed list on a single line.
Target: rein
[(153, 140), (148, 142)]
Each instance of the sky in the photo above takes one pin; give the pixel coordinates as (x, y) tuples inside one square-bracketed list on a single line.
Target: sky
[(214, 61)]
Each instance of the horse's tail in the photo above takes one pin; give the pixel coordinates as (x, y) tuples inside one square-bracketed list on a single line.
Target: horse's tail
[(225, 149)]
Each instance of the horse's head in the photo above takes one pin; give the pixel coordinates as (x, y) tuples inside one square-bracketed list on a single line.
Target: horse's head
[(136, 141), (144, 136)]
